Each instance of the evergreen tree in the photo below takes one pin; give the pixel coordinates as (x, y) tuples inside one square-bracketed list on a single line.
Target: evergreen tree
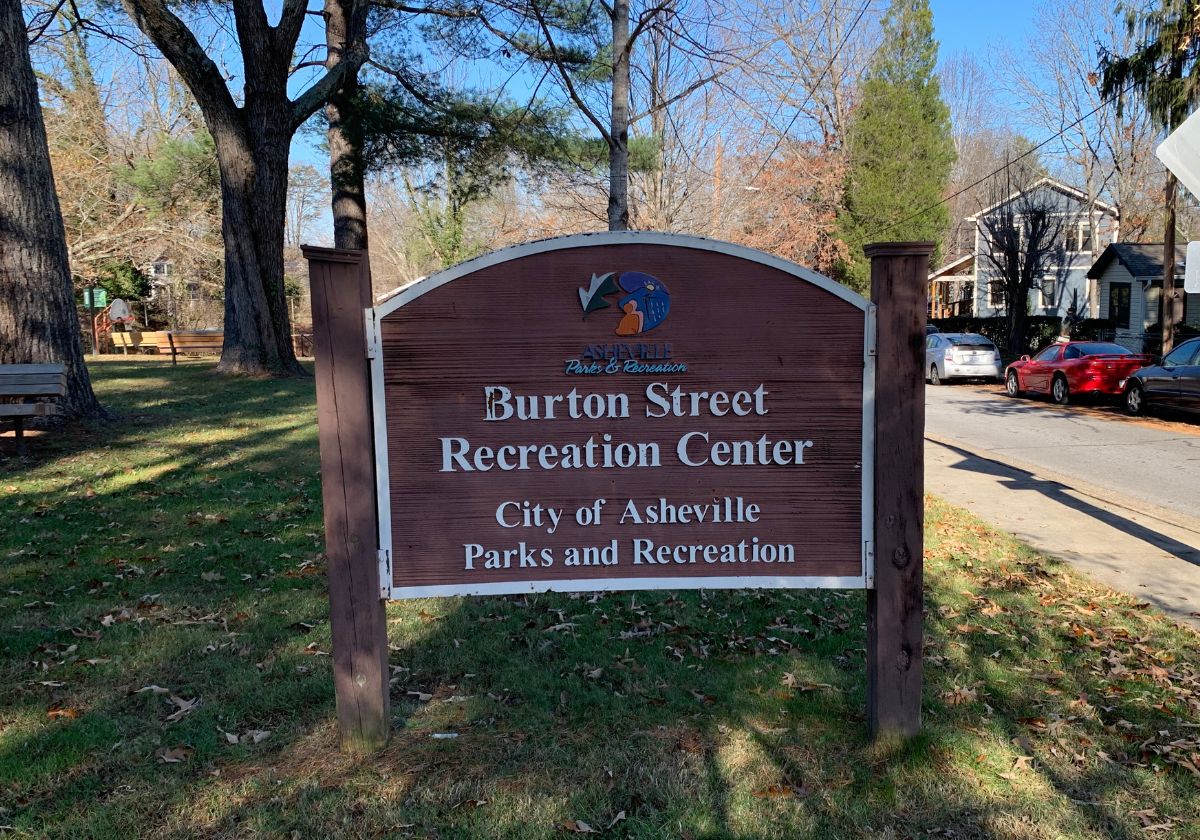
[(900, 145)]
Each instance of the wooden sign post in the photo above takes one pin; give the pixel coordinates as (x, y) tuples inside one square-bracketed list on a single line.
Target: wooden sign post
[(620, 411), (895, 603), (341, 292)]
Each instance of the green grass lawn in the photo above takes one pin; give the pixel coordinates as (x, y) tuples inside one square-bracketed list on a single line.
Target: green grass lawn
[(164, 672)]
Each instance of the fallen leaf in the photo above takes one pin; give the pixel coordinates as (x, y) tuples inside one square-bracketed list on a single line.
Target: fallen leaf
[(56, 711), (183, 708), (620, 816), (576, 827), (959, 696), (776, 791), (154, 689), (212, 577), (255, 736), (174, 755), (796, 684)]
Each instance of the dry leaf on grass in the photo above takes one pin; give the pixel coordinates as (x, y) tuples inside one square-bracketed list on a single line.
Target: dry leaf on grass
[(153, 689), (576, 827), (212, 577), (959, 696), (183, 708), (620, 816), (777, 791), (796, 684), (174, 755), (57, 711)]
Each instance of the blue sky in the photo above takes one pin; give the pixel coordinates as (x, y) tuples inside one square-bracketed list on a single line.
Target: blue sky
[(960, 26), (970, 26)]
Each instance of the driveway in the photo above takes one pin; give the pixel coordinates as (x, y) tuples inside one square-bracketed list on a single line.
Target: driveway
[(1115, 497)]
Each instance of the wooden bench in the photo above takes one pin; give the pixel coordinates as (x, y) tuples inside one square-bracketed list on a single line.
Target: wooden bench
[(19, 384), (189, 342), (136, 341)]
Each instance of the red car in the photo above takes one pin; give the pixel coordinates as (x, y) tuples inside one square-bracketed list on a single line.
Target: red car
[(1074, 367)]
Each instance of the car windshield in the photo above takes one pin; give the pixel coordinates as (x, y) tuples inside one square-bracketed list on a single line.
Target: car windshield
[(1102, 349), (970, 340)]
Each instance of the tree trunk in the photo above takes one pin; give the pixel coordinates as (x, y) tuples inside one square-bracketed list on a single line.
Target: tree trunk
[(38, 323), (252, 140), (344, 134), (254, 170), (618, 147), (1018, 320), (1167, 303)]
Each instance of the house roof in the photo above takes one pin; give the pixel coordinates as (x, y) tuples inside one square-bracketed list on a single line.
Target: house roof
[(950, 269), (1141, 259), (1057, 186)]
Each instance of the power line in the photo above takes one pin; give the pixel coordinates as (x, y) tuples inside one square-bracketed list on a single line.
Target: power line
[(1017, 159), (829, 66)]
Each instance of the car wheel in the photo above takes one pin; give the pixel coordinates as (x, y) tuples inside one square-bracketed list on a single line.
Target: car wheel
[(1060, 391), (1135, 399), (934, 377), (1012, 385)]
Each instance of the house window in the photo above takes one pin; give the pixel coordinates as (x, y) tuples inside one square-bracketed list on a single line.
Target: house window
[(1085, 237), (1118, 305), (996, 294), (1049, 291)]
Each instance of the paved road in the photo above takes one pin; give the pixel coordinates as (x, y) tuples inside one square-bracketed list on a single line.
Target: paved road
[(1137, 461), (1119, 499)]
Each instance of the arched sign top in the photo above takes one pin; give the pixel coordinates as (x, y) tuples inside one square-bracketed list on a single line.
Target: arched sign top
[(609, 238)]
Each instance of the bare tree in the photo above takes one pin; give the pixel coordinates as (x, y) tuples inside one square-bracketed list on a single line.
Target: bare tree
[(1105, 144), (37, 310), (819, 52), (306, 189), (1024, 249)]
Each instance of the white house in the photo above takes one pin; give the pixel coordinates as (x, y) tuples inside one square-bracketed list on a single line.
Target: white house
[(1128, 279)]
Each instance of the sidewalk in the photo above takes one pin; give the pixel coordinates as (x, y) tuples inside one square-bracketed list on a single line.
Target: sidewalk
[(1152, 554)]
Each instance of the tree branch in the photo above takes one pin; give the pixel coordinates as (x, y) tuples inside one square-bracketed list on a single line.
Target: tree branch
[(307, 103), (644, 20), (177, 43), (566, 77), (457, 14)]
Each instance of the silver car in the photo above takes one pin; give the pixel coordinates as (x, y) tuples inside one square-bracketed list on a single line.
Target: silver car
[(961, 356)]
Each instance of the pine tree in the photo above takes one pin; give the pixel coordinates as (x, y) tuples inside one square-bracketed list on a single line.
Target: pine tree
[(900, 145)]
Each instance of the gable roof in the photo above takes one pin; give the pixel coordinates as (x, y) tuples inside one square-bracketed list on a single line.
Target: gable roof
[(1057, 186), (1141, 259), (966, 263)]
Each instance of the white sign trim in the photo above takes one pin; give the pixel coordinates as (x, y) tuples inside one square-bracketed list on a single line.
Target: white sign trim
[(625, 584), (623, 237)]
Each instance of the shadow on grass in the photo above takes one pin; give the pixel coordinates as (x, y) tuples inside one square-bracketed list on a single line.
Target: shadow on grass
[(180, 549)]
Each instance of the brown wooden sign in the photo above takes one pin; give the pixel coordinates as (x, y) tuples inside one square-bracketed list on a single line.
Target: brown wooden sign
[(621, 411), (636, 411)]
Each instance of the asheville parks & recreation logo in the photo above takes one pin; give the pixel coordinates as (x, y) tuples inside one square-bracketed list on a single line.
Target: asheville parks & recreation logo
[(644, 303)]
